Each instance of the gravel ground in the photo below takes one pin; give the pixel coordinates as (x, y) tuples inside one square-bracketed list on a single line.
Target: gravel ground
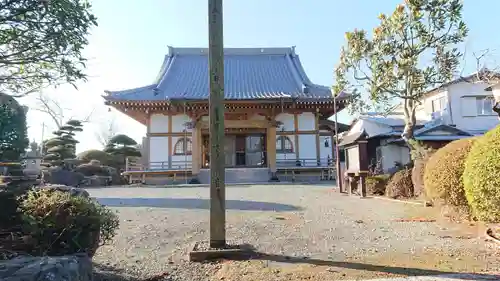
[(308, 232)]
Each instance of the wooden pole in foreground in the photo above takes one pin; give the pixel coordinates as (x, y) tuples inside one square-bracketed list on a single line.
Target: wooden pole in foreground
[(217, 159)]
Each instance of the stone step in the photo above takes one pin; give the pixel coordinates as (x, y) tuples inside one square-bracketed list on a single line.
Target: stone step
[(238, 175)]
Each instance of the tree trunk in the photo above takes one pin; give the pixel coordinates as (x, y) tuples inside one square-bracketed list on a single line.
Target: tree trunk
[(410, 122)]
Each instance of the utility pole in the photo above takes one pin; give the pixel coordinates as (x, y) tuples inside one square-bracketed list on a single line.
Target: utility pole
[(216, 115)]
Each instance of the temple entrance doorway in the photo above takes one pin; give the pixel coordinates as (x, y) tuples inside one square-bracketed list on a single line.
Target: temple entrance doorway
[(241, 150)]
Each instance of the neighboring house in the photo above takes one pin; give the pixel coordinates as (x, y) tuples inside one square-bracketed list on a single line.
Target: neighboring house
[(275, 117), (460, 109)]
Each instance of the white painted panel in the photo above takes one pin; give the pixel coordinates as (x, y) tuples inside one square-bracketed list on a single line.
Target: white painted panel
[(325, 152), (178, 123), (353, 158), (468, 106), (307, 147), (287, 120), (158, 149), (288, 156), (306, 121), (158, 123)]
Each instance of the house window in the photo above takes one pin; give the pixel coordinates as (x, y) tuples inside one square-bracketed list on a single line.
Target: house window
[(439, 104), (284, 145), (183, 147), (485, 105)]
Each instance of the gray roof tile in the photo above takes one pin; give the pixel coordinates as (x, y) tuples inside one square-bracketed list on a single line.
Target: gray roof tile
[(249, 73)]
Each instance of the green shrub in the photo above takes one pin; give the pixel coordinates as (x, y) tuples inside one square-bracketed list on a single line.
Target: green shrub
[(443, 173), (482, 177), (89, 170), (94, 154), (420, 154), (400, 184), (375, 185), (62, 224)]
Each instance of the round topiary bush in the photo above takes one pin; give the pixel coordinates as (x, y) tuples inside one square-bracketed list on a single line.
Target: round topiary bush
[(443, 173), (94, 154), (92, 170), (400, 184), (63, 224), (482, 177)]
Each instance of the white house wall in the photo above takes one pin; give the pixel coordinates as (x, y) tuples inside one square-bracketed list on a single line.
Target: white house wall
[(394, 153), (462, 107)]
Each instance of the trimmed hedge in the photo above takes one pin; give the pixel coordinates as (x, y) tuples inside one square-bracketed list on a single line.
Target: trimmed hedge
[(482, 177), (443, 173), (400, 184)]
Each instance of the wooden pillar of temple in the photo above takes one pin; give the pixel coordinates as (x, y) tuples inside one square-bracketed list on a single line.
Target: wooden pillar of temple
[(316, 129), (196, 154), (271, 152)]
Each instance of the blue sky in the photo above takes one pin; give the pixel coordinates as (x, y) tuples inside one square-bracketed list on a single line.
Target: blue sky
[(128, 47)]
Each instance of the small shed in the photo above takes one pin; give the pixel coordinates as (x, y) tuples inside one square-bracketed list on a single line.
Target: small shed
[(356, 160)]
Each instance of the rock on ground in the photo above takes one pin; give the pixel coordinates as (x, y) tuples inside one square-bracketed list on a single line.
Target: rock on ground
[(67, 268)]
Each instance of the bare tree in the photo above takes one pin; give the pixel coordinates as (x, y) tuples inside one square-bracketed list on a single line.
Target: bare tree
[(57, 113), (487, 70), (106, 131)]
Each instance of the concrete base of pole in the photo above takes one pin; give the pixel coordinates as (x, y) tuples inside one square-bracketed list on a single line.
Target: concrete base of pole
[(201, 251), (274, 178)]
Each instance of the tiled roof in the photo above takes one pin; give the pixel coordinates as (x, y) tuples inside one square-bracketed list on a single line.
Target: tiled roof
[(249, 73)]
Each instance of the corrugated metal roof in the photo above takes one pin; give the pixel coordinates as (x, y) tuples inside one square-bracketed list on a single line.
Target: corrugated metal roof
[(392, 120), (249, 73)]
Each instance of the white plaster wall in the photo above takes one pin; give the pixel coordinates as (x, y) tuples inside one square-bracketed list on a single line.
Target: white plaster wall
[(306, 121), (307, 148), (325, 152), (178, 122), (394, 153), (462, 113), (158, 123), (158, 149), (179, 160), (287, 120)]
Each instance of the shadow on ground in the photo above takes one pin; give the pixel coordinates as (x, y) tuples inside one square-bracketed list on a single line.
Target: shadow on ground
[(196, 203), (108, 273), (406, 271)]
